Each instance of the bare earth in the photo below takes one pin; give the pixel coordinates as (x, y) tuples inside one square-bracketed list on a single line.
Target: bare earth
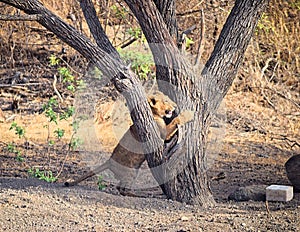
[(32, 205), (248, 157)]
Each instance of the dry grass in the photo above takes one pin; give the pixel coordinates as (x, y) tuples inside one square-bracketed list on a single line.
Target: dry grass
[(264, 98)]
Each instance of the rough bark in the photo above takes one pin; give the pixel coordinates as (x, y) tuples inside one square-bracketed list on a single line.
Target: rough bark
[(167, 9), (96, 29), (202, 93)]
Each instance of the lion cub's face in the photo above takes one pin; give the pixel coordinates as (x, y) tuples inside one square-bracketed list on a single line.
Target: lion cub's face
[(161, 105)]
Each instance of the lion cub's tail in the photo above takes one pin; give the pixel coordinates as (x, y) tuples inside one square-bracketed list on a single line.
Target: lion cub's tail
[(91, 173)]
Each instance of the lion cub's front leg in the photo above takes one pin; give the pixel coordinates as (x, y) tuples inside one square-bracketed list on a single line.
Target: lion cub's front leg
[(181, 119)]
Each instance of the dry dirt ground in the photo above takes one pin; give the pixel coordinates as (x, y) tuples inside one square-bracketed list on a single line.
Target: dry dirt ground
[(248, 157)]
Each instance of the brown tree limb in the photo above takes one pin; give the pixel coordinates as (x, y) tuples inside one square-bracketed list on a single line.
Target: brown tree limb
[(125, 81), (189, 12), (201, 39), (167, 9), (222, 66), (69, 35), (96, 29)]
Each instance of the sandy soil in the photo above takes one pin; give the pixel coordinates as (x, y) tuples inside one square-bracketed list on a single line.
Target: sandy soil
[(32, 205), (247, 158)]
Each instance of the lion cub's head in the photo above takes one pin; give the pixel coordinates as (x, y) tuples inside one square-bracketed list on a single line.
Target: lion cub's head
[(161, 105)]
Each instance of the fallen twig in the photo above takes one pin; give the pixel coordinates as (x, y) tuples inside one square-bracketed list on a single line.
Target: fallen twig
[(267, 208), (16, 85), (284, 96), (19, 17), (201, 39), (284, 137), (55, 89)]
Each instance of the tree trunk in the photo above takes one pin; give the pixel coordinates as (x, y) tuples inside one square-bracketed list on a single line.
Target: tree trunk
[(167, 9), (203, 93), (182, 174)]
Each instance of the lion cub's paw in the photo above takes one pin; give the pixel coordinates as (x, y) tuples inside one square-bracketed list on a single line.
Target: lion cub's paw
[(186, 116)]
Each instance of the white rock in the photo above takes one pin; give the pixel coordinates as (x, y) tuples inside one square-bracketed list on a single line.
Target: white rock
[(184, 218), (279, 193)]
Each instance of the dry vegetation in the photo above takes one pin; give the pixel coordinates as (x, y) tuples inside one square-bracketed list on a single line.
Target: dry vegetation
[(265, 93), (262, 107)]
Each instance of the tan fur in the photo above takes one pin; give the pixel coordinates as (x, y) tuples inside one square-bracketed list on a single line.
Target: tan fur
[(128, 155)]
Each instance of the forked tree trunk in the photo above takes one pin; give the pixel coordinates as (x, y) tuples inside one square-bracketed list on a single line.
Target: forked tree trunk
[(182, 176), (202, 91)]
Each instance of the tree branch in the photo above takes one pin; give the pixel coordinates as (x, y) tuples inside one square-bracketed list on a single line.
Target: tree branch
[(201, 39), (70, 35), (223, 64), (124, 79), (167, 9), (167, 57), (96, 29)]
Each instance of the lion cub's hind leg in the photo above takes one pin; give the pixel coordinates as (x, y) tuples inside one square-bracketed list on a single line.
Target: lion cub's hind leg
[(126, 182)]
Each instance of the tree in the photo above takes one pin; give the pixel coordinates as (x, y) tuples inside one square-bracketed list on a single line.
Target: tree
[(203, 93)]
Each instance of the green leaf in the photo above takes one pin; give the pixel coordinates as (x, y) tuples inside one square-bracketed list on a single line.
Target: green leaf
[(65, 74), (53, 60), (188, 42), (101, 185), (59, 133), (20, 158), (71, 88), (20, 131)]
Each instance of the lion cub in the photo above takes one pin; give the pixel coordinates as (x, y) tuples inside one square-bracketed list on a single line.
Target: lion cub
[(128, 155)]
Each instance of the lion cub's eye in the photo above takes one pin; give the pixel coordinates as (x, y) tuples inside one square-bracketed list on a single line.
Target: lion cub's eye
[(153, 101)]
